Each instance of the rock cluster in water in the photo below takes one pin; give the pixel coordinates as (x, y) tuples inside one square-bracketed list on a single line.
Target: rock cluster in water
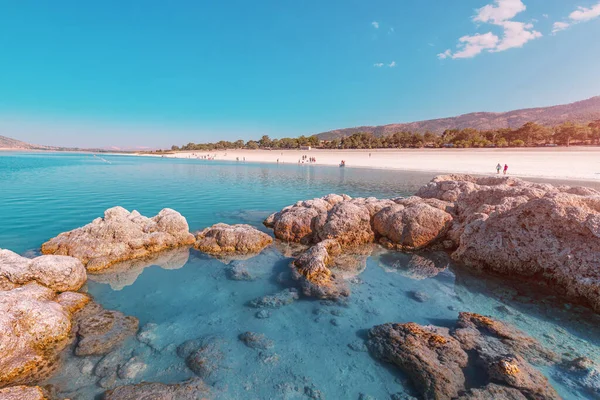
[(192, 389), (434, 358), (121, 235), (232, 241), (498, 224)]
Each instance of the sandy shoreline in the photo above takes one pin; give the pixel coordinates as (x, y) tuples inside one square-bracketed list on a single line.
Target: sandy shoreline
[(577, 163)]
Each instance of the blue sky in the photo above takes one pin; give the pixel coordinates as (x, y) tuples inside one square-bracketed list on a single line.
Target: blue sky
[(156, 73)]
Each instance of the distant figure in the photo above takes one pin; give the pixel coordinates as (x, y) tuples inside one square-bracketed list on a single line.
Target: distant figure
[(505, 168), (498, 168), (278, 161), (244, 158), (369, 155)]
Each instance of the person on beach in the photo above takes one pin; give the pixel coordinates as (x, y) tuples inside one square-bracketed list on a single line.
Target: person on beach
[(505, 168), (498, 168)]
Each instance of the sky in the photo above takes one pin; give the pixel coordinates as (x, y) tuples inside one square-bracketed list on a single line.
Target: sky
[(152, 73)]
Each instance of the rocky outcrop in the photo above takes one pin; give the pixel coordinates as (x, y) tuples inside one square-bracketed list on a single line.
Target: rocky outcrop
[(222, 240), (23, 393), (428, 355), (434, 358), (59, 273), (508, 226), (205, 356), (35, 326), (100, 331), (121, 235), (193, 389)]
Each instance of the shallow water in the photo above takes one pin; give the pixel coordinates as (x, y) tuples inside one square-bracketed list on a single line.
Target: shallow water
[(187, 295)]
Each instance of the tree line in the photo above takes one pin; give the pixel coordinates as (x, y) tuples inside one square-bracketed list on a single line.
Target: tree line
[(528, 135)]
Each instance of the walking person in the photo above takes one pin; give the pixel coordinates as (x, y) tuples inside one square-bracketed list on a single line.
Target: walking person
[(505, 168), (498, 168)]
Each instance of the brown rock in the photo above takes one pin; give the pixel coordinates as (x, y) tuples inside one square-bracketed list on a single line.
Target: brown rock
[(346, 222), (23, 393), (100, 331), (428, 355), (121, 236), (411, 227), (34, 328), (312, 270), (193, 389), (58, 273), (493, 391), (223, 239)]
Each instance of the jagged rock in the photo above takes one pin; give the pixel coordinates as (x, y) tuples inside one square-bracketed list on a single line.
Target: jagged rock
[(428, 355), (34, 328), (121, 236), (473, 328), (231, 240), (412, 226), (193, 389), (499, 349), (23, 393), (296, 223), (59, 273), (513, 227), (348, 223), (493, 391), (125, 273), (312, 270), (256, 340), (204, 356), (100, 331), (280, 299)]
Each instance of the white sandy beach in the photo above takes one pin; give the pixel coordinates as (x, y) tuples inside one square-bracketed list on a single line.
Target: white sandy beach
[(578, 163)]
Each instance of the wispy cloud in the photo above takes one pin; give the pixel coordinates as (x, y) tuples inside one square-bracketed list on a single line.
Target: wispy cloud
[(500, 13), (392, 64), (378, 65), (582, 14), (560, 26), (375, 24)]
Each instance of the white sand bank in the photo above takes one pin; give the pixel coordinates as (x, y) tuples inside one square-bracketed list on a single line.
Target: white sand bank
[(577, 163)]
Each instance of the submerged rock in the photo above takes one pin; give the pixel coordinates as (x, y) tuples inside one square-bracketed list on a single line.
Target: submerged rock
[(280, 299), (581, 374), (232, 240), (204, 356), (493, 391), (59, 273), (24, 393), (34, 328), (193, 389), (100, 331), (428, 355), (121, 235), (256, 340)]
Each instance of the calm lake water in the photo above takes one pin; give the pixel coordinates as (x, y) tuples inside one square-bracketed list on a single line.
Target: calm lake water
[(186, 295)]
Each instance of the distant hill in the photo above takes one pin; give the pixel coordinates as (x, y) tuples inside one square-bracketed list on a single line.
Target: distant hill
[(9, 143), (580, 112)]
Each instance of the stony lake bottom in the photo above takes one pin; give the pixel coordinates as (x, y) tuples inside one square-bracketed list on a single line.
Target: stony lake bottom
[(317, 346)]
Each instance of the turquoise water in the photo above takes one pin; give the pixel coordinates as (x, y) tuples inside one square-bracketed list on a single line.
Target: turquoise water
[(187, 295)]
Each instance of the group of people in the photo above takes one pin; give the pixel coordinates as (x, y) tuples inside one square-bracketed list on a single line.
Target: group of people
[(499, 167), (307, 159)]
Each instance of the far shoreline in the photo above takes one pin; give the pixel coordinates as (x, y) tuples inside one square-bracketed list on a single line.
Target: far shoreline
[(578, 163)]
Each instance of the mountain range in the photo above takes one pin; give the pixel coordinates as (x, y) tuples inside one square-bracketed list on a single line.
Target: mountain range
[(9, 143), (579, 112)]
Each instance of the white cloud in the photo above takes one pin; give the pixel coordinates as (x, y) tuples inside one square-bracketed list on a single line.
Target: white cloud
[(501, 10), (545, 16), (392, 64), (375, 24), (444, 55), (560, 26), (378, 65), (500, 13), (516, 34), (583, 14), (470, 46), (391, 30)]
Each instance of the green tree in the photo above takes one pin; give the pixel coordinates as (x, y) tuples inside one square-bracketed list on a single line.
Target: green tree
[(265, 141)]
